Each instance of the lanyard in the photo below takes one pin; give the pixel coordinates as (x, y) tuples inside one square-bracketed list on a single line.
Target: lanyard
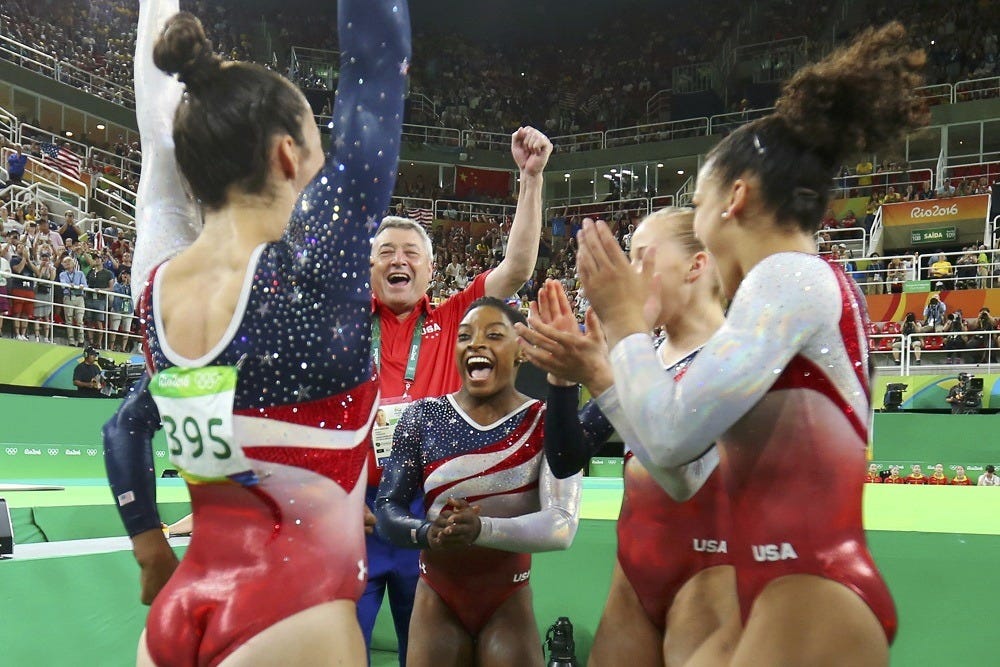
[(411, 361)]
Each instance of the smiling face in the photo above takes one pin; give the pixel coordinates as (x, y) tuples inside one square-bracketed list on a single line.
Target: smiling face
[(873, 469), (915, 468), (486, 352), (400, 269)]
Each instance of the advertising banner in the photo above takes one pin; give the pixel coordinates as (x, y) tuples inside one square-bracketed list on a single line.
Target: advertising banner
[(943, 221)]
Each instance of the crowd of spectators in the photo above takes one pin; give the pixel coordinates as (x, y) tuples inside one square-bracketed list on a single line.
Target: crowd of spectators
[(49, 271), (566, 84)]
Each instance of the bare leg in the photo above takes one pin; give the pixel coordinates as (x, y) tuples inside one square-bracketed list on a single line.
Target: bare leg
[(804, 620), (437, 637), (641, 644), (510, 637), (703, 624), (327, 634)]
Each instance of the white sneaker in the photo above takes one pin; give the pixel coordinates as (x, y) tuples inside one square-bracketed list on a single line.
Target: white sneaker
[(22, 337)]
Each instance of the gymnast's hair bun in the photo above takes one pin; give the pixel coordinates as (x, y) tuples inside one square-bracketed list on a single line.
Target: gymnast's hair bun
[(183, 49)]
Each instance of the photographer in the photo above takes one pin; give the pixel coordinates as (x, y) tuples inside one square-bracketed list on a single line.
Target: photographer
[(963, 398), (955, 342), (908, 328), (934, 316), (983, 339)]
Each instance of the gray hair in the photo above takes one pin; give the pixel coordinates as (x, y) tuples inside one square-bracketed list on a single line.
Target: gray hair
[(397, 222)]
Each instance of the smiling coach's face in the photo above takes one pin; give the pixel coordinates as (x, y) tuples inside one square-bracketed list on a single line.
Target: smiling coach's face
[(400, 269)]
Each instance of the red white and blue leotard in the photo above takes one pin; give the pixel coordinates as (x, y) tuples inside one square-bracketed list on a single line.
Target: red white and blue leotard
[(440, 451), (306, 395), (782, 388)]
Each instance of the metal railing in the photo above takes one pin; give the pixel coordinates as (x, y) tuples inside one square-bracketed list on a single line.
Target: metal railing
[(665, 131), (855, 238), (861, 185), (943, 93), (70, 315), (483, 139), (886, 279), (115, 196), (937, 350), (583, 141), (32, 133), (58, 184), (466, 211), (64, 72), (727, 122), (976, 89), (117, 163)]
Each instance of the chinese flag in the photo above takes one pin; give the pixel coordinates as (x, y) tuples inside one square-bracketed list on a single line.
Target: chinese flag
[(482, 181)]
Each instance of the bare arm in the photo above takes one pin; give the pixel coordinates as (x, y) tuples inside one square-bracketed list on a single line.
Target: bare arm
[(531, 150)]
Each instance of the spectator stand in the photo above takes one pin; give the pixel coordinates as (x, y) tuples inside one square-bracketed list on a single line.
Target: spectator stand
[(976, 89), (99, 337), (54, 68), (654, 132), (70, 190)]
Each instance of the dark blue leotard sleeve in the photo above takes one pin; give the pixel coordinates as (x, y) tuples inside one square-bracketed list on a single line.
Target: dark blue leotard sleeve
[(402, 480), (571, 436), (128, 459)]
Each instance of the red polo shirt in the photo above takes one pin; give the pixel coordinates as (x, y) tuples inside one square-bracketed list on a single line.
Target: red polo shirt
[(436, 373)]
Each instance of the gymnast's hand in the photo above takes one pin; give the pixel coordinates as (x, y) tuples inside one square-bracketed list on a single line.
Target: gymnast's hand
[(157, 562), (370, 521), (555, 343), (626, 299), (531, 150), (456, 527)]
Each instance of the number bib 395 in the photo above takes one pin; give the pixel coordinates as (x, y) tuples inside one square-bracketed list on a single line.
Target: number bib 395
[(196, 408)]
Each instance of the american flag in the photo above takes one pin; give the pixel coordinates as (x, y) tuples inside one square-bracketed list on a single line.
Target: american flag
[(422, 215), (99, 240), (61, 159)]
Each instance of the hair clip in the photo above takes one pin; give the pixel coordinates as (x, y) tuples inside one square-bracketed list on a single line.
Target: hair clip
[(756, 144)]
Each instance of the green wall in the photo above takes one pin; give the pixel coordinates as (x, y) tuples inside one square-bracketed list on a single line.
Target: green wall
[(47, 437)]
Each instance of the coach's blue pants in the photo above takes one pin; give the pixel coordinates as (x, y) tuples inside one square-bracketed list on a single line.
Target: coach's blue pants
[(397, 569)]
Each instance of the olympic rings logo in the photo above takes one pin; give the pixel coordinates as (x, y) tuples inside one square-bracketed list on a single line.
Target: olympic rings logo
[(91, 452), (206, 381), (53, 451), (12, 451)]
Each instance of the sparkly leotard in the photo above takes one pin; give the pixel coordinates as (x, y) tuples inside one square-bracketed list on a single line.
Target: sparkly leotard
[(440, 450), (783, 390), (291, 537)]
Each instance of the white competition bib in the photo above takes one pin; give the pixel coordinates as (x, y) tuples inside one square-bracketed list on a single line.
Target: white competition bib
[(389, 412), (196, 408)]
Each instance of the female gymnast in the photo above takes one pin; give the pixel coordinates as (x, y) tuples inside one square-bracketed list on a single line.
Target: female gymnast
[(491, 500), (783, 387), (672, 585), (263, 380)]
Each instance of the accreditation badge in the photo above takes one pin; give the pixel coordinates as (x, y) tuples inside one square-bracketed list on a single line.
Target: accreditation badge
[(390, 410), (196, 409)]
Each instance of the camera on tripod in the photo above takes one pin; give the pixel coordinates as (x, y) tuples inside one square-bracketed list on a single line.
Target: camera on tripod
[(893, 398)]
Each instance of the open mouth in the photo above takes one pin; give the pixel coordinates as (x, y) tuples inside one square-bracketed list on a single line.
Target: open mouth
[(479, 368), (398, 279)]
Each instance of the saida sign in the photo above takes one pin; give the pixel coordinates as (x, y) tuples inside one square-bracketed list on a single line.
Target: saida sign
[(934, 235)]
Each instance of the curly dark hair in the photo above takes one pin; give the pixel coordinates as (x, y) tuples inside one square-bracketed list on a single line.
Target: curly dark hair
[(860, 98)]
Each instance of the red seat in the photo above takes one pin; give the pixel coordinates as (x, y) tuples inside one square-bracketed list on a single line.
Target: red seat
[(893, 327), (932, 343), (874, 328)]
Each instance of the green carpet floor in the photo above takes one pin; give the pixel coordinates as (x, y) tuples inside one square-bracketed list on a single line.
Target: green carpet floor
[(937, 547)]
